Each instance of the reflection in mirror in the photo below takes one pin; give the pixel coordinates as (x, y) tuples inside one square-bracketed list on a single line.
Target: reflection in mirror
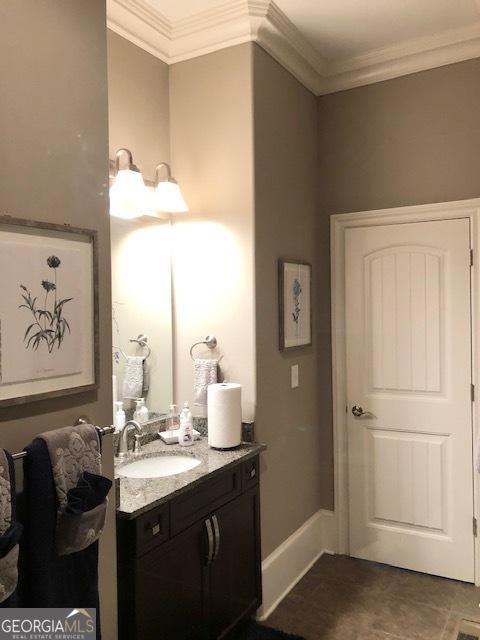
[(141, 304)]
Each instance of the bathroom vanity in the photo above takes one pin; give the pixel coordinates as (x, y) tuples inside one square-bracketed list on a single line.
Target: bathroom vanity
[(188, 545)]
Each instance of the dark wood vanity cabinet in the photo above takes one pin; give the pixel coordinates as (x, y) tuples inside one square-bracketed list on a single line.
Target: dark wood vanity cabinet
[(191, 568)]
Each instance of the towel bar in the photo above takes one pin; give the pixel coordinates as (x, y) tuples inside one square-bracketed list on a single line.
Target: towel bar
[(102, 431)]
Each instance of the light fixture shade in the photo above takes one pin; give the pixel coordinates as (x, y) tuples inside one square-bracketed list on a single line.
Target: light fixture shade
[(168, 197), (128, 195)]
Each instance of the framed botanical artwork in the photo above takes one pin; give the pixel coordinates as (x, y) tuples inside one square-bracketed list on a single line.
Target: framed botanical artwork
[(48, 311), (295, 306)]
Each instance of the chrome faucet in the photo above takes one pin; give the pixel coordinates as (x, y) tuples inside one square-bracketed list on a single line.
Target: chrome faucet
[(123, 442)]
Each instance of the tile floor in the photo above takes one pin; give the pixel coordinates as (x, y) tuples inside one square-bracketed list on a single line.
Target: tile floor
[(342, 598)]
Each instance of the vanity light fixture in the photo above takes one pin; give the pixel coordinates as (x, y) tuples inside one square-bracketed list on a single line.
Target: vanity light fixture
[(167, 197), (128, 193)]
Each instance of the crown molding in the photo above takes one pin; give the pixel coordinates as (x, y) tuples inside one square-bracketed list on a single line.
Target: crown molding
[(136, 21), (408, 57), (224, 26), (284, 42), (237, 21)]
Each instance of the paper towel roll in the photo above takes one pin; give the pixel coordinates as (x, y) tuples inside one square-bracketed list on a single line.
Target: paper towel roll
[(224, 415)]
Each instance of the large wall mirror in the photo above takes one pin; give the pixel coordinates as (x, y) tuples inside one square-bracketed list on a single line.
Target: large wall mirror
[(142, 304)]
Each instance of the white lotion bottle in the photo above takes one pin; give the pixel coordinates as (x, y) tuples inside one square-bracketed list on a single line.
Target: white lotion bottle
[(185, 433)]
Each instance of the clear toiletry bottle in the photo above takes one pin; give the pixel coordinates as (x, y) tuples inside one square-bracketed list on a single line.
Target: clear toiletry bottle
[(185, 434), (119, 419), (141, 412), (173, 420)]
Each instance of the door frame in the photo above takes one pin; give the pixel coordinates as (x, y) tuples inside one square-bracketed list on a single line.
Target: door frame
[(469, 209)]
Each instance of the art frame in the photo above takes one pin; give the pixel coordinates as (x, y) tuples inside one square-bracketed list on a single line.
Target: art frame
[(294, 304), (73, 364)]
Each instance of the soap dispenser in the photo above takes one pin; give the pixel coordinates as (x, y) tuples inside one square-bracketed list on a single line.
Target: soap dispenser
[(185, 434), (119, 417), (141, 414), (173, 419)]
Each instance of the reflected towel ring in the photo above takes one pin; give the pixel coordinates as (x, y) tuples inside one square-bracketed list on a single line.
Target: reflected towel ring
[(210, 342), (142, 340)]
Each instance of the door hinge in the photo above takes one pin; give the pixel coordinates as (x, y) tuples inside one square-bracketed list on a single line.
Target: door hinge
[(471, 257), (472, 392), (475, 527)]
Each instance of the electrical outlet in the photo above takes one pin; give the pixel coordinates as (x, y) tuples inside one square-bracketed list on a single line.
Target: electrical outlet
[(294, 376)]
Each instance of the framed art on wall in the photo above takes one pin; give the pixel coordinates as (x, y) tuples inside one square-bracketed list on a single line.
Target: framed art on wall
[(48, 311), (295, 307)]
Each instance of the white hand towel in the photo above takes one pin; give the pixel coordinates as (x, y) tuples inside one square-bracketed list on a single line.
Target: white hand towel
[(205, 373), (133, 378)]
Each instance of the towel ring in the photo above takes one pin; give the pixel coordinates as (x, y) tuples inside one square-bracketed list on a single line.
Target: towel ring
[(142, 340), (210, 342)]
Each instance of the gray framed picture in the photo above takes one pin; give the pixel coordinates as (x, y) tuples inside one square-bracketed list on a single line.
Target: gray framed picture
[(48, 311), (295, 306)]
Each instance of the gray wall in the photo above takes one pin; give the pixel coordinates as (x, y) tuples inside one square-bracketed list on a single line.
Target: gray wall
[(411, 140), (53, 137), (138, 101), (292, 422)]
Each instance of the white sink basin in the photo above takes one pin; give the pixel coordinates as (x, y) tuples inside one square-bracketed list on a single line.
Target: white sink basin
[(158, 466)]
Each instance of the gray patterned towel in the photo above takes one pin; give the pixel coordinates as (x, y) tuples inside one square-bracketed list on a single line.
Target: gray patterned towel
[(205, 372), (74, 451), (133, 378), (5, 494), (9, 534)]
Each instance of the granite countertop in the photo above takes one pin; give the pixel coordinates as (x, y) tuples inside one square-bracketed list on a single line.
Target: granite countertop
[(137, 495)]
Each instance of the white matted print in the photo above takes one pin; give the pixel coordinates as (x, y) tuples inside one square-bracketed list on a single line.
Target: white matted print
[(47, 312), (295, 304)]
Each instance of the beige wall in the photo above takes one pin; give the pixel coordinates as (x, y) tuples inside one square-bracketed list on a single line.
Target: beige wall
[(138, 110), (53, 137), (138, 116), (290, 421), (212, 158), (411, 140)]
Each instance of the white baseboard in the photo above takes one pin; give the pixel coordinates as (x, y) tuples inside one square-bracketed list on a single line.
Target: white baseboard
[(294, 557), (329, 531)]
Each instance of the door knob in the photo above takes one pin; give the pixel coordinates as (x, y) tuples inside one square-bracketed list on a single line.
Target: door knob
[(358, 412)]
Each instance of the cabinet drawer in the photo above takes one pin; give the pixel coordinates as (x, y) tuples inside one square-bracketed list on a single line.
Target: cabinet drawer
[(250, 473), (151, 529), (199, 502)]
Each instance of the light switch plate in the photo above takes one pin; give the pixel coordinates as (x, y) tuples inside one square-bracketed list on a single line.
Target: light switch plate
[(294, 376)]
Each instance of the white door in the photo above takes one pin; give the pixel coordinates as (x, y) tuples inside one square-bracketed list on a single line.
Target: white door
[(409, 369)]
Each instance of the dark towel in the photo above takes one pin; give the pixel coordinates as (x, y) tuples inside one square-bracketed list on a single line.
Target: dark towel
[(91, 490), (11, 537), (50, 580)]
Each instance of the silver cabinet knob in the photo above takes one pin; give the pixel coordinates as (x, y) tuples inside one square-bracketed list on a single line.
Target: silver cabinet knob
[(358, 412)]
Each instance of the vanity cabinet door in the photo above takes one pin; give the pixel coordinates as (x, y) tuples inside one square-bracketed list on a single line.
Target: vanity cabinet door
[(235, 580), (171, 588)]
